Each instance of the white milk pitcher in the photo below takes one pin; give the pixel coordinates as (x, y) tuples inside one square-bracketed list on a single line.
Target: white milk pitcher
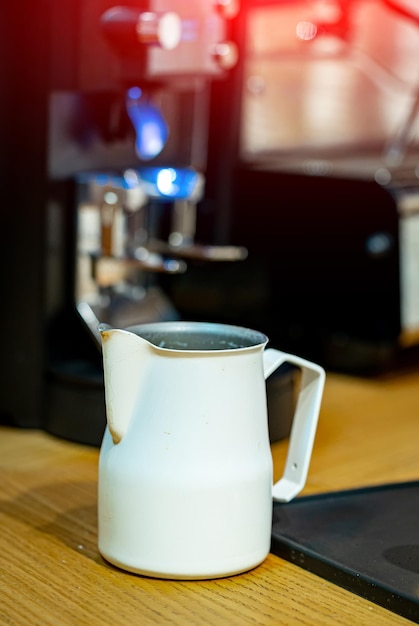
[(185, 470)]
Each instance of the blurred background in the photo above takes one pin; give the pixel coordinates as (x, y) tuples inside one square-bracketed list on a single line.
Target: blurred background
[(243, 161)]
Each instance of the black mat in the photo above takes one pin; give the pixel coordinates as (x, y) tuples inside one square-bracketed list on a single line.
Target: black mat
[(365, 540)]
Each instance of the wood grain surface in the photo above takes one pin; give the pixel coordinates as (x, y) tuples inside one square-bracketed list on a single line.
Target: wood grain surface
[(51, 571)]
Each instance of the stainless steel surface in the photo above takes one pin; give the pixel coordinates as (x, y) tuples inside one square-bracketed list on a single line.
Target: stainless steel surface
[(198, 336), (331, 88)]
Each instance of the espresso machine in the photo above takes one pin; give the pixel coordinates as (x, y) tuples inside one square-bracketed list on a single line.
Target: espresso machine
[(131, 134), (105, 119)]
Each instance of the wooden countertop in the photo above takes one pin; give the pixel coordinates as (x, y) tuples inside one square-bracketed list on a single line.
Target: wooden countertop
[(51, 572)]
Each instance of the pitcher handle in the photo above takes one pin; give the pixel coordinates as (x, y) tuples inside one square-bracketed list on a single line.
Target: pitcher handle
[(304, 423)]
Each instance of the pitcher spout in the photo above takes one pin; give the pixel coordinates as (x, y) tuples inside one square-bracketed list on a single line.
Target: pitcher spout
[(125, 357)]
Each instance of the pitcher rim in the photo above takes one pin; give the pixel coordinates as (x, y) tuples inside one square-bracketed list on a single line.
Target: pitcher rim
[(250, 338)]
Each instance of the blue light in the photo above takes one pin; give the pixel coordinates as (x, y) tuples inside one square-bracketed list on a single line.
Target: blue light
[(169, 183), (151, 131), (159, 183), (166, 181), (134, 93), (109, 179)]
